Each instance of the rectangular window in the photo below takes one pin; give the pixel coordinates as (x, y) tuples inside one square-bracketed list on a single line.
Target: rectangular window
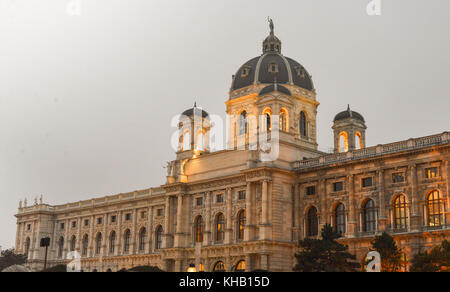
[(159, 212), (367, 182), (113, 219), (74, 224), (241, 195), (431, 172), (398, 177), (143, 215), (311, 190), (61, 226), (86, 222), (128, 217), (338, 186), (219, 199), (99, 221), (29, 227), (199, 201)]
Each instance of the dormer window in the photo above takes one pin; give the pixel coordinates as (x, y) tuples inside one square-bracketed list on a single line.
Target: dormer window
[(273, 68), (300, 71), (245, 72)]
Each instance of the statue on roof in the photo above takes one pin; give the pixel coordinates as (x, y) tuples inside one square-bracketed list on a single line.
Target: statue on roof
[(272, 27)]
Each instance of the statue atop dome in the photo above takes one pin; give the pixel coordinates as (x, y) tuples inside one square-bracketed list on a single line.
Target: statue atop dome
[(271, 25)]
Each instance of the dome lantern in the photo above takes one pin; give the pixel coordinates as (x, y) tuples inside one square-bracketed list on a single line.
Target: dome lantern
[(271, 43)]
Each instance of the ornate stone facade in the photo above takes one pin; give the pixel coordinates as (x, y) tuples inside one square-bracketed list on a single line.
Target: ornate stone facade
[(235, 209)]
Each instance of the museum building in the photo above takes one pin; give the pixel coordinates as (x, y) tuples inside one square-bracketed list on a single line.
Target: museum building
[(246, 208)]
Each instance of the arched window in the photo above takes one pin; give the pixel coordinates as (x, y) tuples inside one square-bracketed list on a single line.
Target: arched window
[(109, 271), (60, 247), (158, 237), (243, 123), (435, 209), (400, 212), (283, 120), (220, 227), (73, 243), (219, 267), (126, 241), (142, 239), (343, 142), (98, 244), (112, 242), (241, 225), (240, 267), (201, 268), (85, 245), (267, 113), (358, 141), (312, 222), (303, 131), (339, 217), (369, 216), (27, 246), (186, 141), (201, 141), (198, 229)]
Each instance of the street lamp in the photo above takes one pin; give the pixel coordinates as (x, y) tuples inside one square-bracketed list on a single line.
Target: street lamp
[(191, 269)]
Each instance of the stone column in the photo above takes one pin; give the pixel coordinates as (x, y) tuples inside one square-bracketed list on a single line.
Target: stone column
[(134, 233), (383, 219), (179, 231), (264, 262), (150, 229), (353, 221), (178, 265), (265, 226), (35, 240), (248, 213), (208, 234), (415, 217), (446, 180), (91, 240), (265, 203), (248, 263), (104, 248), (18, 239), (117, 250), (53, 254), (167, 220), (323, 209), (296, 213), (66, 239), (229, 220)]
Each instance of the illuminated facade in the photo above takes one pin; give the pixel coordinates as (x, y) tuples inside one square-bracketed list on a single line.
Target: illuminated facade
[(238, 209)]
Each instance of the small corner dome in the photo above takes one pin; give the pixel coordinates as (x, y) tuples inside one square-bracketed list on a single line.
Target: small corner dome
[(349, 114), (195, 111), (275, 88)]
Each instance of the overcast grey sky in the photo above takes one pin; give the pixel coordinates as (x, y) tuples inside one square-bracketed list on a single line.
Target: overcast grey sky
[(86, 101)]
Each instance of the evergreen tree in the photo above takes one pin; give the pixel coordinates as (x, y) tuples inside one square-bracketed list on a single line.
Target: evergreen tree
[(389, 252), (9, 258), (325, 255), (437, 260)]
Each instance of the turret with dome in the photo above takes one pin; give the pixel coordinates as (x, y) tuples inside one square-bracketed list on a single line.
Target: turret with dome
[(279, 89), (271, 67)]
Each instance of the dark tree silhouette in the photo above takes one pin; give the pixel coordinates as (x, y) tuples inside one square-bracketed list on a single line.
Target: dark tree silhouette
[(9, 258), (437, 260), (325, 255), (389, 252)]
